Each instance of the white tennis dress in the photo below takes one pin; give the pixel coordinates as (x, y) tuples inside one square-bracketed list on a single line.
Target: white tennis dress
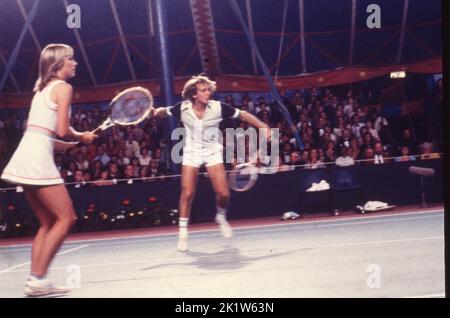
[(32, 163)]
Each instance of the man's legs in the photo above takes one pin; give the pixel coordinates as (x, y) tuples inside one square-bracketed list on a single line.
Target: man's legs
[(218, 178), (188, 184)]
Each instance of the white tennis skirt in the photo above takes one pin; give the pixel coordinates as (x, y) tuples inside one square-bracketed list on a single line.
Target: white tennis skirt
[(32, 162)]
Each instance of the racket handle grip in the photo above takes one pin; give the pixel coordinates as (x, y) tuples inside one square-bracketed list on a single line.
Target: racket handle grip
[(98, 129)]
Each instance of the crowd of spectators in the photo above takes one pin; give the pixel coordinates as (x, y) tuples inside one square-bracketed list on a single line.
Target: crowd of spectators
[(341, 130)]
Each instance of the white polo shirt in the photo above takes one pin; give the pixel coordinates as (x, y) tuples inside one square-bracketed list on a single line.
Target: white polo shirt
[(202, 134)]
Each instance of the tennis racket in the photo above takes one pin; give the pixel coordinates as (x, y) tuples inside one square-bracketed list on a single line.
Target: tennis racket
[(64, 145), (243, 177), (129, 107)]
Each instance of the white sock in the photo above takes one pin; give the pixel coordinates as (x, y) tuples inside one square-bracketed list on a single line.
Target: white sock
[(221, 215), (183, 226), (36, 277)]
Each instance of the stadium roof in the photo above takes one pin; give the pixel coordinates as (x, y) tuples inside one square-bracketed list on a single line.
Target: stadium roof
[(116, 42)]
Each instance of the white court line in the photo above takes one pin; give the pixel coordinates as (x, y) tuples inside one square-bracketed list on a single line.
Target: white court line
[(355, 221), (260, 228), (28, 263), (182, 258), (13, 267), (257, 229), (73, 249)]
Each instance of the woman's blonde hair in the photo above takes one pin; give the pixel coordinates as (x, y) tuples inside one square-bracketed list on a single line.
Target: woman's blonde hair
[(190, 88), (51, 60)]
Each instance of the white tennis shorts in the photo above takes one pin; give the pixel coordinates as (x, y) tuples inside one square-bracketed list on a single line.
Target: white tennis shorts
[(205, 157)]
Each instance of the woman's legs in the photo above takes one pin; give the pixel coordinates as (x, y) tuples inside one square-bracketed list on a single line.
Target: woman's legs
[(54, 209)]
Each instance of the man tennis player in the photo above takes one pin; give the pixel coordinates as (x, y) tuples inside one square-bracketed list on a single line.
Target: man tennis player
[(201, 116)]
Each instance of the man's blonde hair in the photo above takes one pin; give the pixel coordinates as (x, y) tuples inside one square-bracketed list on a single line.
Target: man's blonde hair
[(50, 62), (190, 88)]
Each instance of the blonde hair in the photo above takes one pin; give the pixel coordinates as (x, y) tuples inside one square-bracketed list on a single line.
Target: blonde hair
[(50, 62), (190, 88)]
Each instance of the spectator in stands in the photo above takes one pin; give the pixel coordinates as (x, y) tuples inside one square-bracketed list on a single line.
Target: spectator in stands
[(294, 159), (408, 141), (372, 130), (368, 156), (136, 166), (321, 153), (262, 111), (114, 172), (356, 126), (330, 152), (314, 161), (90, 120), (96, 169), (91, 152), (329, 131), (296, 105), (78, 180), (87, 177), (72, 167), (78, 116), (361, 114), (385, 136), (380, 154), (346, 138), (404, 155), (344, 159), (286, 151), (154, 170), (350, 108), (362, 131), (128, 174), (155, 133), (82, 163), (96, 116), (314, 92), (131, 147), (102, 156), (103, 180), (427, 151), (340, 126), (377, 118), (144, 157), (367, 142), (160, 157), (137, 131), (111, 145), (247, 104)]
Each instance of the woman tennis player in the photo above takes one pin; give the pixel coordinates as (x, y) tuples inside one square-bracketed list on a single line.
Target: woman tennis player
[(199, 113), (33, 167)]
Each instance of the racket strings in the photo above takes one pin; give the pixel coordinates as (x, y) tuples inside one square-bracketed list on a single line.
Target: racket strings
[(130, 107)]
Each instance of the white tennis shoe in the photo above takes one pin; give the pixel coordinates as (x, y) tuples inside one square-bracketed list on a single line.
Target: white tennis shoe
[(225, 228), (43, 287), (182, 242)]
